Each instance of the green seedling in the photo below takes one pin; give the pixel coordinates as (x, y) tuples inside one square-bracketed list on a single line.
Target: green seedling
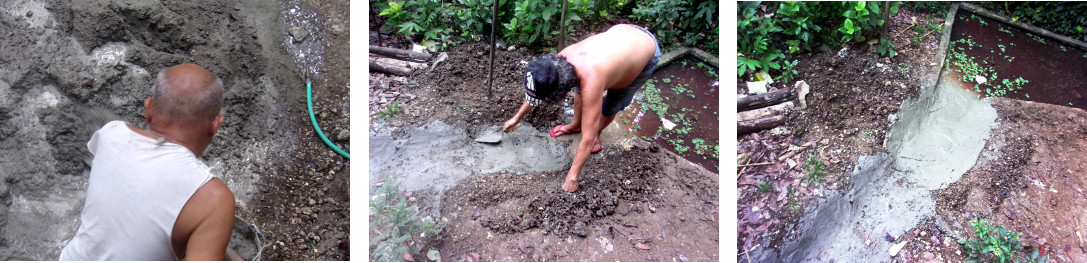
[(815, 169), (764, 187), (390, 110)]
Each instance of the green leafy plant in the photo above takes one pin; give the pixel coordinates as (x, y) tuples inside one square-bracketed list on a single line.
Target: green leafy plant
[(396, 224), (815, 169), (764, 187), (395, 13), (995, 244), (756, 35), (424, 19), (788, 71), (692, 23), (797, 21), (391, 110), (531, 20), (886, 48)]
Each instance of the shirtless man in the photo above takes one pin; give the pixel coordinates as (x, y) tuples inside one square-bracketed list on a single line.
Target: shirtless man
[(618, 61), (149, 197)]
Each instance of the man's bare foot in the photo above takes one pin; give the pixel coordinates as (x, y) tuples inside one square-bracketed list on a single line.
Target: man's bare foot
[(569, 186)]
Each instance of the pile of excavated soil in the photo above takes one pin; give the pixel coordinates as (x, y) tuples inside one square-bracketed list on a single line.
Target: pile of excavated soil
[(635, 202), (455, 91), (69, 67)]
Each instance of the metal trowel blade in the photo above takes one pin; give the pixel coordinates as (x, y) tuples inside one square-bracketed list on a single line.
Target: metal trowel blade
[(490, 137)]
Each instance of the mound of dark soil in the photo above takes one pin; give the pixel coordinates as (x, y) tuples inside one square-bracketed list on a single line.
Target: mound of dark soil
[(514, 203), (632, 196), (456, 90)]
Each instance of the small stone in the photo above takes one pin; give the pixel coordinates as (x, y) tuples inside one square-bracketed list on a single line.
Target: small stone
[(324, 115), (298, 33), (295, 221), (312, 202), (337, 29), (641, 246), (897, 247), (307, 211), (343, 135), (511, 48)]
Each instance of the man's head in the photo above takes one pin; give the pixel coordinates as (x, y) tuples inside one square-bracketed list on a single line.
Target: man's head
[(186, 99), (548, 78)]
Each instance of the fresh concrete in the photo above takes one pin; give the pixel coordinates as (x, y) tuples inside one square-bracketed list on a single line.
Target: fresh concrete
[(436, 156), (936, 138)]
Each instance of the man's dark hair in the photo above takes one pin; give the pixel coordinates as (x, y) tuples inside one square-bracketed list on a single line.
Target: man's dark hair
[(552, 75)]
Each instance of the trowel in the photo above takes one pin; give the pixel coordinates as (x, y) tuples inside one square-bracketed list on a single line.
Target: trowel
[(489, 135)]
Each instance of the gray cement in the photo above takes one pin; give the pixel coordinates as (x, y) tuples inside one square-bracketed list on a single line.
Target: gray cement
[(58, 65), (935, 139), (436, 156)]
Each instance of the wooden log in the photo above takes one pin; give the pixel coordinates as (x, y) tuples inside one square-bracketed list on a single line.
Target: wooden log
[(376, 66), (400, 63), (745, 127), (400, 53), (765, 99), (764, 112)]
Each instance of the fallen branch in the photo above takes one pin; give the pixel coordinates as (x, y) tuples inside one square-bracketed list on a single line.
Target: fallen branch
[(400, 53), (763, 100), (753, 164), (793, 153), (745, 127)]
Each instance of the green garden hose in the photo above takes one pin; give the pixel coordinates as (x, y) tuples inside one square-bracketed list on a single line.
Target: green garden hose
[(309, 102)]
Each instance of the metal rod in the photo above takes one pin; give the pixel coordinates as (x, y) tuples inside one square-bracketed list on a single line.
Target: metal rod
[(490, 76), (562, 27)]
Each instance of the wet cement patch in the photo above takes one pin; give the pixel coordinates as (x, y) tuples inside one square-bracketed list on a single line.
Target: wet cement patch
[(66, 61), (436, 156), (936, 138)]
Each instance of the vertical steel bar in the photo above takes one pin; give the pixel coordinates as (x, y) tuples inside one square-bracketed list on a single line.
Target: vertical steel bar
[(490, 77)]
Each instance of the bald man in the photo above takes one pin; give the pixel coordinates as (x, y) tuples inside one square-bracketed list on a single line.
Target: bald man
[(149, 197), (617, 61)]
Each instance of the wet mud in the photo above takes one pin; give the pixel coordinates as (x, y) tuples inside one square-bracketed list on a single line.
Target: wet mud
[(69, 67), (689, 94), (1057, 73)]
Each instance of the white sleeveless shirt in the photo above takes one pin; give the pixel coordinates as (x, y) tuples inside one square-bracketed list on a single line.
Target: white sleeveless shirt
[(135, 192)]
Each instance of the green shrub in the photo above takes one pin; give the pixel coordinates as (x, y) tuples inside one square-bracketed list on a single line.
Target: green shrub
[(682, 22), (756, 35), (427, 20), (995, 244), (397, 225)]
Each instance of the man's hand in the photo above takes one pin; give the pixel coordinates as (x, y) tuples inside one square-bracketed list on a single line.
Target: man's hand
[(511, 125)]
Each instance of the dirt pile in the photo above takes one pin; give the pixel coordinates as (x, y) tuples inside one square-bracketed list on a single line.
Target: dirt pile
[(514, 203), (456, 90), (636, 201)]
